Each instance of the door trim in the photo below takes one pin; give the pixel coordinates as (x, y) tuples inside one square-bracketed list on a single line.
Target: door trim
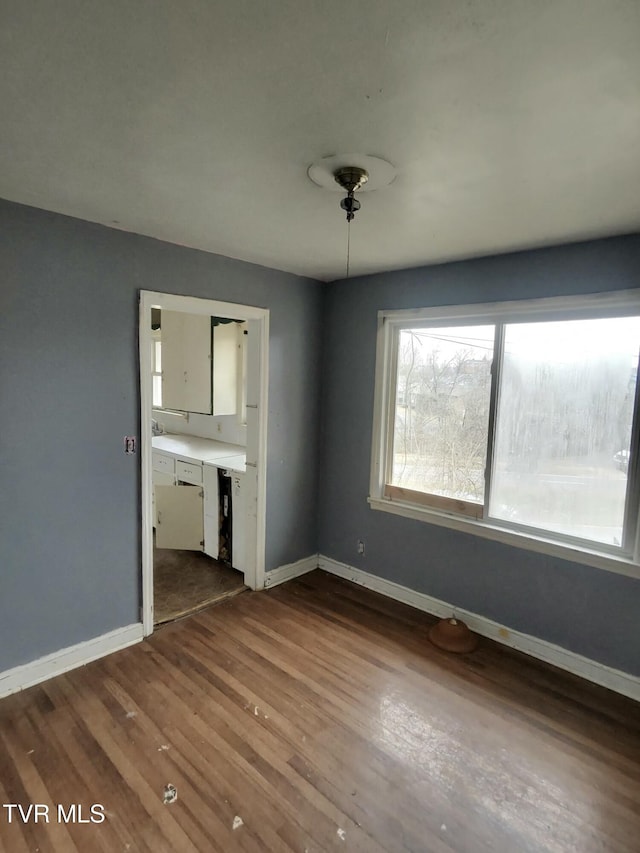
[(258, 379)]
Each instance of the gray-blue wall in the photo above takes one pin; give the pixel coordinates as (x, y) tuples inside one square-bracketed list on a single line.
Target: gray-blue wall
[(589, 611), (70, 498)]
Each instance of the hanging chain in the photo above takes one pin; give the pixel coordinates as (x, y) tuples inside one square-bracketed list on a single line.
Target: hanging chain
[(348, 244)]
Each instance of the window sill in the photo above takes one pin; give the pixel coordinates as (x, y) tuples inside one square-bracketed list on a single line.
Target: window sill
[(611, 563)]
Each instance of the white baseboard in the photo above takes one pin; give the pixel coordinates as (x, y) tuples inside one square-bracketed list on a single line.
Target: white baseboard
[(28, 674), (614, 679), (291, 570)]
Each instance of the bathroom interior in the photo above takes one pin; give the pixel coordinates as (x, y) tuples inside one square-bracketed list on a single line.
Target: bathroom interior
[(199, 437)]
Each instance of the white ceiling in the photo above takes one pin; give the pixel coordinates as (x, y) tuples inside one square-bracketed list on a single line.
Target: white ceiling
[(511, 123)]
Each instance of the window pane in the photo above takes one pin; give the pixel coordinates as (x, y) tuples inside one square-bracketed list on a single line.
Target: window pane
[(158, 357), (157, 392), (563, 426), (442, 410)]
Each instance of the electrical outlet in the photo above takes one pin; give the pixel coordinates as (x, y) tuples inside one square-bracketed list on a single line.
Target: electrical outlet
[(360, 547)]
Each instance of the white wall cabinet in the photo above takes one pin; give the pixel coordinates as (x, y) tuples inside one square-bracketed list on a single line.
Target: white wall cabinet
[(226, 368), (202, 365), (186, 362)]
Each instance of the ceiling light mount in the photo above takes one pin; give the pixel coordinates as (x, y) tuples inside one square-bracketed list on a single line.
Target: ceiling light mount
[(350, 173), (323, 172), (351, 178)]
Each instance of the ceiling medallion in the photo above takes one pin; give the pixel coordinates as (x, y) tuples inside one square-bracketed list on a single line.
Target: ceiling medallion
[(351, 173)]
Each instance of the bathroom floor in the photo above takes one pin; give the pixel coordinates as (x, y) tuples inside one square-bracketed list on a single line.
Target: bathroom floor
[(187, 581)]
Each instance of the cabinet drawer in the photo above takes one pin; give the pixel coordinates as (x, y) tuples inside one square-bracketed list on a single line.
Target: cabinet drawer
[(161, 478), (189, 472), (162, 462)]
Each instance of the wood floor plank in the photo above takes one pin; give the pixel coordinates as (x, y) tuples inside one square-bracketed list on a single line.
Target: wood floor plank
[(58, 836), (316, 716)]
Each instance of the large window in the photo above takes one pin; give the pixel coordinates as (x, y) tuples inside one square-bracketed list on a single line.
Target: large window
[(441, 416), (517, 417)]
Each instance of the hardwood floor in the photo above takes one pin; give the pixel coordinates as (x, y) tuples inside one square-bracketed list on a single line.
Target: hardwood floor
[(317, 716)]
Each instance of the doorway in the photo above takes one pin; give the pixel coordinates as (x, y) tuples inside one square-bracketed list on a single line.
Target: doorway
[(204, 475)]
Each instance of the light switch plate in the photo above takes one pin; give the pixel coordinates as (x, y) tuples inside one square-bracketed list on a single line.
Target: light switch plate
[(129, 444)]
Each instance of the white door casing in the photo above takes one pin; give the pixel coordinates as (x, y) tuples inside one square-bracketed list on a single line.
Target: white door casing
[(257, 408)]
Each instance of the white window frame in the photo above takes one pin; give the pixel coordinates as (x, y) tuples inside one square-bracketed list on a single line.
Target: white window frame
[(156, 339), (390, 322)]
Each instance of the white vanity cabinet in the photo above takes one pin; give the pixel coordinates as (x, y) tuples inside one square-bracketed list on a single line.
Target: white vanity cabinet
[(163, 463), (211, 511), (215, 511), (179, 514), (189, 513), (178, 499), (159, 479), (239, 521), (163, 475)]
